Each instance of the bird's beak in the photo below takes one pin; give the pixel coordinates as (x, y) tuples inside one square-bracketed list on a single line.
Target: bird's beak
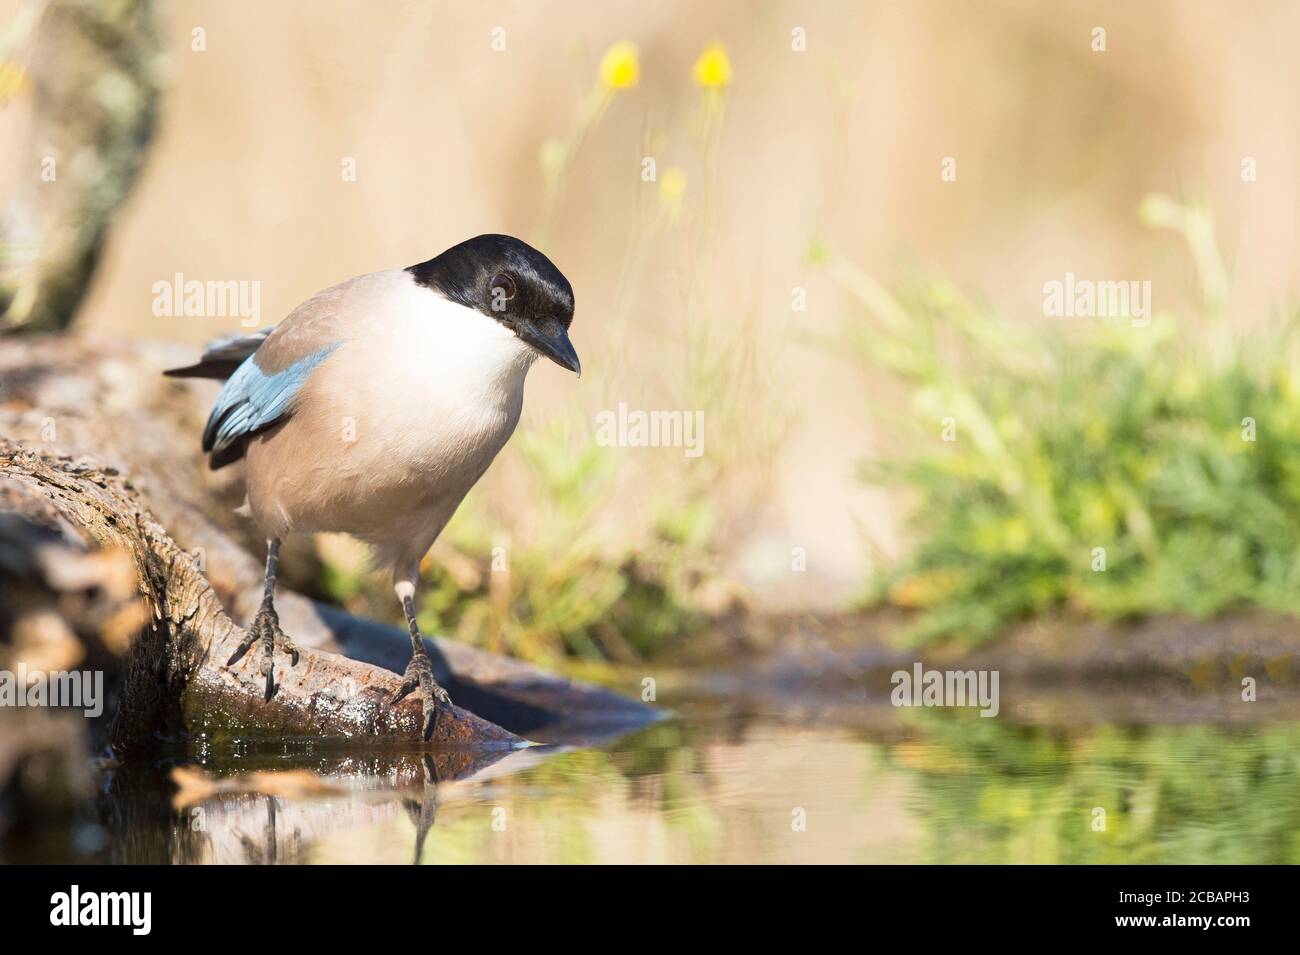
[(551, 339)]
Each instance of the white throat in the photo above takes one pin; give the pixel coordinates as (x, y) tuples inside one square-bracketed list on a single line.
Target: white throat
[(458, 349)]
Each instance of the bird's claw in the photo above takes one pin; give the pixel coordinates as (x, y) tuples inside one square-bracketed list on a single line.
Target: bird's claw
[(266, 628), (419, 675)]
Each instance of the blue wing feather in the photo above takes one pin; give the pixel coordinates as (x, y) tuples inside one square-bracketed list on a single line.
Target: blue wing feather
[(253, 400)]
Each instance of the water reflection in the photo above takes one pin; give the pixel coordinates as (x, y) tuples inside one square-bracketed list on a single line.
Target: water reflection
[(718, 787)]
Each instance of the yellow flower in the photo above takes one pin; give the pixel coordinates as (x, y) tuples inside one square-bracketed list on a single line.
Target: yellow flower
[(12, 77), (713, 69), (672, 185), (619, 67)]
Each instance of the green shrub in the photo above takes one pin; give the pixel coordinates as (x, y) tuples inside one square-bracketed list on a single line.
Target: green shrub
[(1079, 441)]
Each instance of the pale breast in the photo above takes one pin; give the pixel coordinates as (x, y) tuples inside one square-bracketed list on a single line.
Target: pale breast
[(391, 432)]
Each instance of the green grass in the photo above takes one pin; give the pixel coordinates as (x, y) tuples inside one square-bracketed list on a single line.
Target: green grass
[(1074, 435)]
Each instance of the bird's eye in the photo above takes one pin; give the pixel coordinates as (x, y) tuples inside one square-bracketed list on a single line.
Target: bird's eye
[(503, 290)]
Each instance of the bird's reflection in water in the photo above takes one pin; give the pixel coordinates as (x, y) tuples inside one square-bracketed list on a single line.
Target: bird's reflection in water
[(288, 848), (424, 811), (352, 793), (264, 852), (279, 808)]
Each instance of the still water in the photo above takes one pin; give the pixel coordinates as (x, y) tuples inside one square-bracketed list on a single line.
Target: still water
[(712, 785)]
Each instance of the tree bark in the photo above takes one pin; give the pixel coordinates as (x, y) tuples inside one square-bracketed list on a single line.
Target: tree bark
[(84, 150)]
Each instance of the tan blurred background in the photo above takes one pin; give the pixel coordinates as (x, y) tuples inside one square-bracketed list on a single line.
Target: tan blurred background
[(1055, 145)]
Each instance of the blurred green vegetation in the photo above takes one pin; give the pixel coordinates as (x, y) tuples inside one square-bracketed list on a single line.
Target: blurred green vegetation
[(1169, 454), (562, 587), (994, 793)]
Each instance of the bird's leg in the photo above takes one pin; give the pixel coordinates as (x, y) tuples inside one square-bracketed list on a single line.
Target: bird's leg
[(266, 625), (419, 672)]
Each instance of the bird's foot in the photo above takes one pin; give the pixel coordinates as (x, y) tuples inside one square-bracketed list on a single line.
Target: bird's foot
[(266, 628), (419, 675)]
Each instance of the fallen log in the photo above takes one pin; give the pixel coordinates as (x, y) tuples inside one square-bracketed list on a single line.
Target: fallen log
[(175, 679)]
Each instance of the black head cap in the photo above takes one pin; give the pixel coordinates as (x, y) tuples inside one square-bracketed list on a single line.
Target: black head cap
[(512, 282)]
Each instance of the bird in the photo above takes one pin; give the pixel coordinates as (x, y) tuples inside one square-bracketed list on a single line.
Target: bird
[(376, 405)]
